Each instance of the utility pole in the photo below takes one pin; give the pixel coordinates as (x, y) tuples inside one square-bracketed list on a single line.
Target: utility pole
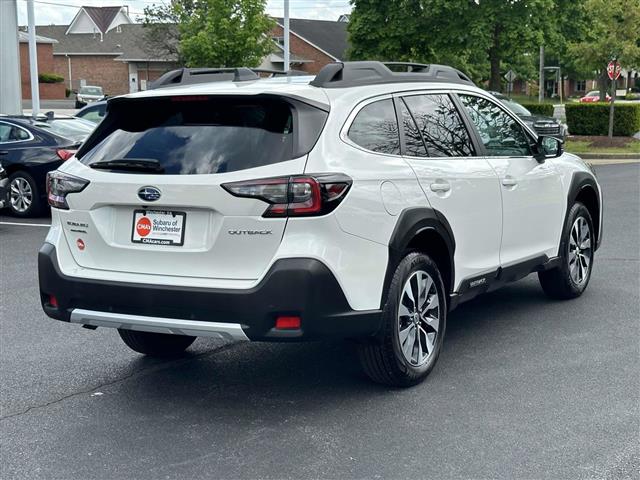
[(33, 60), (10, 88), (286, 36), (541, 75)]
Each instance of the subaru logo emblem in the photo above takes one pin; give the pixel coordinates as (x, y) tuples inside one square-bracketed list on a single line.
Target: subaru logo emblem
[(149, 194)]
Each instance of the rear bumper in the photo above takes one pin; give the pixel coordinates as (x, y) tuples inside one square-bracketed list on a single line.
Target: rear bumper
[(302, 287)]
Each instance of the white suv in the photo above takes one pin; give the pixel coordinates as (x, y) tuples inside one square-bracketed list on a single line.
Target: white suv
[(364, 203)]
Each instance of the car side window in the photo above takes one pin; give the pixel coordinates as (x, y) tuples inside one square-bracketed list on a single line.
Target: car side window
[(501, 134), (5, 132), (19, 134), (376, 128), (413, 144), (11, 133), (440, 125)]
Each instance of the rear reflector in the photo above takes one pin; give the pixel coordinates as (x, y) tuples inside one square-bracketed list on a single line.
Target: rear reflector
[(53, 301), (288, 323)]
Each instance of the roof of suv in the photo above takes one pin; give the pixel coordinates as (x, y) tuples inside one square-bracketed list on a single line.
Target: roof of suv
[(334, 80)]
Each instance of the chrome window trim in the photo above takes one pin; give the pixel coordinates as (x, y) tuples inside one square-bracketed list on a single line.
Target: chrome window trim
[(31, 137)]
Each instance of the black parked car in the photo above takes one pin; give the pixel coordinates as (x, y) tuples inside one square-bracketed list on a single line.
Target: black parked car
[(542, 125), (29, 148)]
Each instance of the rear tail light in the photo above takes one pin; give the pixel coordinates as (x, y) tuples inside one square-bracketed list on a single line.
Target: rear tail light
[(59, 185), (295, 196), (64, 154)]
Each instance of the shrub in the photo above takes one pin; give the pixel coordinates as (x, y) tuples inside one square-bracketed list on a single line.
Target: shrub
[(67, 92), (593, 119), (632, 96), (50, 78), (545, 109)]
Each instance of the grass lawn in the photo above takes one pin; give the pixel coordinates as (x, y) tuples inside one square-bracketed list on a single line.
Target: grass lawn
[(579, 144)]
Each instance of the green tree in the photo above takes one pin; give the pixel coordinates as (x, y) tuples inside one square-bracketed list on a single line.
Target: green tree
[(613, 32), (211, 33), (481, 38)]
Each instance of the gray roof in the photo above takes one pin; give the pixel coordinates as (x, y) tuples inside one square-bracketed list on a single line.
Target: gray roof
[(23, 37), (128, 44), (332, 37), (102, 16), (131, 42)]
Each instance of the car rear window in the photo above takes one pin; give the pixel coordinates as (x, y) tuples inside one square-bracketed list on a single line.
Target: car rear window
[(204, 135), (90, 91)]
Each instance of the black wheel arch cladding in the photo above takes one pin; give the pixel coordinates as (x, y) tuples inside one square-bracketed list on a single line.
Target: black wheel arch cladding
[(584, 188), (411, 223)]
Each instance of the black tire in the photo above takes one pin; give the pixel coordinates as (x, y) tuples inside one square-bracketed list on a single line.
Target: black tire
[(37, 205), (383, 360), (156, 344), (558, 283)]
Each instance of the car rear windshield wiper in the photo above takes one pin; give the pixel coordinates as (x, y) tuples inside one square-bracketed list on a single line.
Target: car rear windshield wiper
[(145, 165)]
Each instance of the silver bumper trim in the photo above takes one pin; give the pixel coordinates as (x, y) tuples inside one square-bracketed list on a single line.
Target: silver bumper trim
[(173, 326)]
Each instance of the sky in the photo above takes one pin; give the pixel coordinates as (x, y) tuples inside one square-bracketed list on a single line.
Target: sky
[(61, 12)]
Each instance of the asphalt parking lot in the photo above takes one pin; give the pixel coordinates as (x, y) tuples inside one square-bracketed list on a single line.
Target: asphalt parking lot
[(525, 388)]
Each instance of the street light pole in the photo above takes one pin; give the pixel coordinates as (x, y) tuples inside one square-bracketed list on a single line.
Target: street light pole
[(541, 80), (33, 60), (286, 36)]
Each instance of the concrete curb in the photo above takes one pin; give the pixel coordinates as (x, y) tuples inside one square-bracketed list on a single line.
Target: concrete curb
[(615, 156), (612, 161)]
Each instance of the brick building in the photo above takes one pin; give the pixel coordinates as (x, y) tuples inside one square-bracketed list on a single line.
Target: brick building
[(102, 46), (44, 52), (313, 44)]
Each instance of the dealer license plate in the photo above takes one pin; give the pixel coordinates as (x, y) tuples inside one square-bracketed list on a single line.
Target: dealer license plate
[(158, 227)]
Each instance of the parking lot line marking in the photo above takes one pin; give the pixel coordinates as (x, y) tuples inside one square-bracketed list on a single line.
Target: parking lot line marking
[(27, 224)]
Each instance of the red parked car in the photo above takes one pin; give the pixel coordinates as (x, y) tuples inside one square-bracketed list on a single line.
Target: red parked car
[(593, 96)]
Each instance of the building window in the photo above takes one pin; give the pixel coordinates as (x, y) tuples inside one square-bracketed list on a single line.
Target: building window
[(119, 29), (581, 85)]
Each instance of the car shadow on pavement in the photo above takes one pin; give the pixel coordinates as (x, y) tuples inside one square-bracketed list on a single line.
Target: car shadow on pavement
[(243, 380)]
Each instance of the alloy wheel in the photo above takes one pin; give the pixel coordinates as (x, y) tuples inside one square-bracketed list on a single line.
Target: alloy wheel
[(20, 194), (418, 318), (580, 251)]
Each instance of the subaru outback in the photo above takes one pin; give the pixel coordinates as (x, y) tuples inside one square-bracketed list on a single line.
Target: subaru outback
[(364, 203)]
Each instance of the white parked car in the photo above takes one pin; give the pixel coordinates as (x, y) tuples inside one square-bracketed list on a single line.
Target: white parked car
[(88, 94), (364, 203)]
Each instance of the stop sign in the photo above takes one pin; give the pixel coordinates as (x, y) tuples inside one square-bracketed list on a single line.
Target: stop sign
[(614, 70)]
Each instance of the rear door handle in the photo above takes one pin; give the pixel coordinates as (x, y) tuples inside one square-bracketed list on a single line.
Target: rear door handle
[(509, 181), (440, 186)]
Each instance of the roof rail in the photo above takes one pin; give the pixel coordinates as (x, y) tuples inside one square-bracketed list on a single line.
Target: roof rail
[(352, 74), (191, 76)]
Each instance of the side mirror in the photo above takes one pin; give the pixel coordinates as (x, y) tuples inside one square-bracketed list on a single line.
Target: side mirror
[(548, 147)]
